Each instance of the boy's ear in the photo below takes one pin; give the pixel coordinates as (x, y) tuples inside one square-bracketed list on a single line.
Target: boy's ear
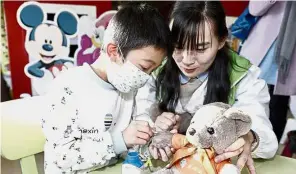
[(112, 52)]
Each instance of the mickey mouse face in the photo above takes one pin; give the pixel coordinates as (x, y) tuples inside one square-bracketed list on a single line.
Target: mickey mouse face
[(47, 45), (46, 40)]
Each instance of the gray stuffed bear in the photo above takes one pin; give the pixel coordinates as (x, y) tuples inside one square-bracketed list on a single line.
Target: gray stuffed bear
[(213, 128)]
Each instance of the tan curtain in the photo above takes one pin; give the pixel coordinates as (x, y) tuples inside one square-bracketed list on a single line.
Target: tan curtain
[(5, 67)]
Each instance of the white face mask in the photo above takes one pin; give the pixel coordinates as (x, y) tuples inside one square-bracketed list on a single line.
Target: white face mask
[(126, 77)]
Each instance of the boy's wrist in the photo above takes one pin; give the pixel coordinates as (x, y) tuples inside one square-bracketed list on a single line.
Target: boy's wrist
[(118, 142)]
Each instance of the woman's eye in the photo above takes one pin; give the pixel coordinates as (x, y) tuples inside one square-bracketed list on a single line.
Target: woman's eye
[(201, 50)]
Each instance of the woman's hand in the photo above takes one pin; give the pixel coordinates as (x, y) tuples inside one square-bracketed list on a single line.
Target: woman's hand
[(168, 122), (242, 148)]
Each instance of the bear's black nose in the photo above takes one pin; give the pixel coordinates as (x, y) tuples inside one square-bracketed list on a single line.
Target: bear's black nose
[(211, 130), (192, 131)]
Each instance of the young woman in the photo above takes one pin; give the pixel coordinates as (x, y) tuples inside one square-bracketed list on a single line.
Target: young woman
[(204, 70), (88, 121)]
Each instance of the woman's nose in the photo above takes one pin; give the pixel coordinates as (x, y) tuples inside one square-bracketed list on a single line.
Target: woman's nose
[(187, 59)]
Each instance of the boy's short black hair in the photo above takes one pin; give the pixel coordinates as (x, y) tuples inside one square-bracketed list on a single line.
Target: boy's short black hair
[(138, 25)]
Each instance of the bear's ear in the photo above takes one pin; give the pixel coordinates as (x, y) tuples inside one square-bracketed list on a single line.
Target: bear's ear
[(242, 120), (67, 22), (30, 14)]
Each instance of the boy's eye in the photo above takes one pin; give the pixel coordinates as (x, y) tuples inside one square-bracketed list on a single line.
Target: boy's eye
[(143, 68)]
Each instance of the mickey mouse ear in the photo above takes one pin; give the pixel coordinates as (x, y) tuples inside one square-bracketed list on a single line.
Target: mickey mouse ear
[(67, 22), (31, 15)]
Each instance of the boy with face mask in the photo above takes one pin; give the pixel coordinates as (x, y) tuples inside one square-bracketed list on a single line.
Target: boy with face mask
[(89, 118)]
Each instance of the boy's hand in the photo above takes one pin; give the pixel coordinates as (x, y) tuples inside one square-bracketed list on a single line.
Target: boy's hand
[(137, 133)]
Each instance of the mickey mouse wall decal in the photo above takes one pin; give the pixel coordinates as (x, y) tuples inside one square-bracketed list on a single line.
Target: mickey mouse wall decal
[(47, 42)]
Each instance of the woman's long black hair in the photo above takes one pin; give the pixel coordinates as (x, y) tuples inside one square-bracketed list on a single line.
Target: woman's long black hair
[(188, 24)]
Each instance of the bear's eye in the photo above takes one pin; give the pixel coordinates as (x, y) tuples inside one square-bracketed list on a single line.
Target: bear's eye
[(50, 42), (211, 130), (192, 122), (45, 40)]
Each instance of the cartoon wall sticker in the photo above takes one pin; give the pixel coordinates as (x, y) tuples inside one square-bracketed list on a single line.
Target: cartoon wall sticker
[(47, 42), (90, 38)]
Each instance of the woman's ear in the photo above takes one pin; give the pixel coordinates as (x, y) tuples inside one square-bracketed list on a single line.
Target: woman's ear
[(112, 52), (222, 42)]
